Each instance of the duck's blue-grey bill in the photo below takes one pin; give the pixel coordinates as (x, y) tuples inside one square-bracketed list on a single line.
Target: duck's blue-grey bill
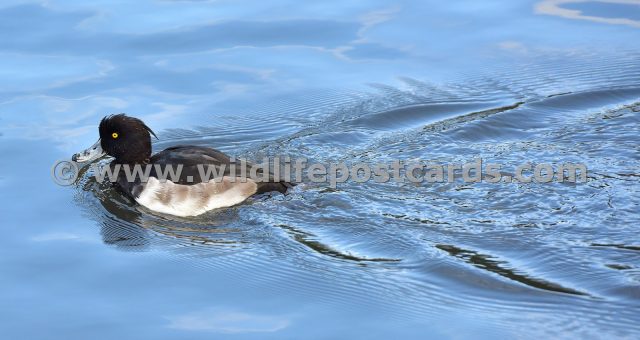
[(92, 153)]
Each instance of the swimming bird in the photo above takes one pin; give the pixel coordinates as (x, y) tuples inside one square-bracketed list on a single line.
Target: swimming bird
[(128, 141)]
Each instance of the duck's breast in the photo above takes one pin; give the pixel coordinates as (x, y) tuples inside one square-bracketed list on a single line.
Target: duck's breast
[(191, 200)]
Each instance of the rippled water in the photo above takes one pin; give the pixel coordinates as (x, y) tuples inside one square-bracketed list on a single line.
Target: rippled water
[(335, 82)]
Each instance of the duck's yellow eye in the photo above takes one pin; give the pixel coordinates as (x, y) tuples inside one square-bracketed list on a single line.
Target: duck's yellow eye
[(114, 135)]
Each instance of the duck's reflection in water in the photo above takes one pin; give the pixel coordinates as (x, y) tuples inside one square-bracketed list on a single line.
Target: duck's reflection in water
[(130, 227), (127, 226)]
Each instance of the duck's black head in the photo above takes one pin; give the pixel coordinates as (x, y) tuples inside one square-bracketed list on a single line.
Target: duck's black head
[(126, 138)]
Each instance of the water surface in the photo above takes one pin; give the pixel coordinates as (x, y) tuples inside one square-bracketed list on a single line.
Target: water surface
[(510, 83)]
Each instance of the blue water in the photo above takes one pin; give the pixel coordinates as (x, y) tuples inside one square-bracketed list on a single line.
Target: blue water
[(606, 10), (509, 82)]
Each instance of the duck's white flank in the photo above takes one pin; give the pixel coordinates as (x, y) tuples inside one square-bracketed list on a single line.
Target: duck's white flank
[(191, 200)]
